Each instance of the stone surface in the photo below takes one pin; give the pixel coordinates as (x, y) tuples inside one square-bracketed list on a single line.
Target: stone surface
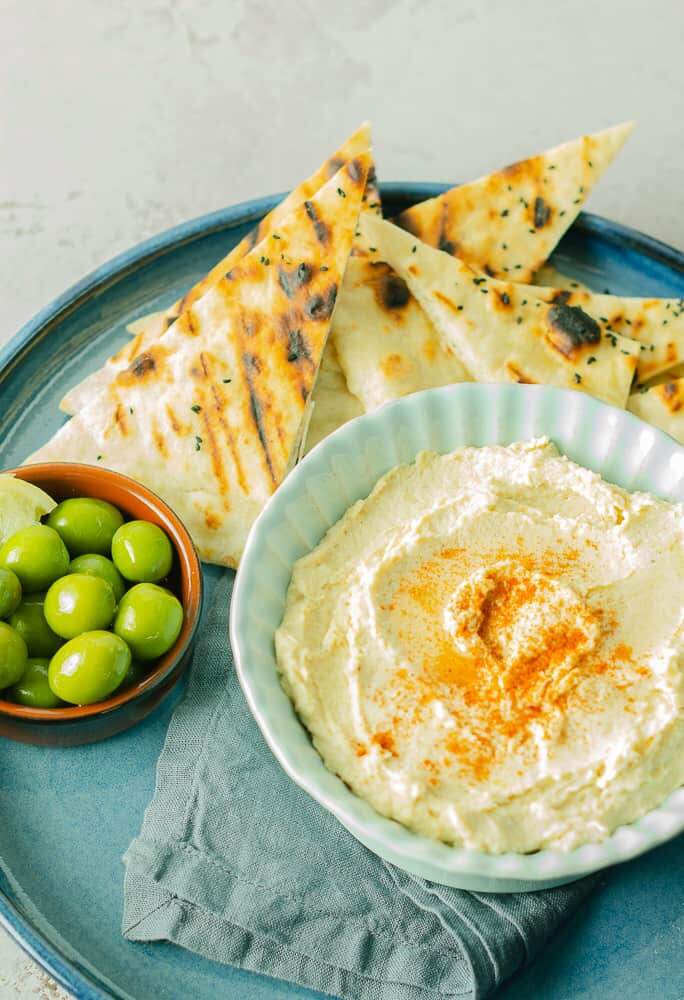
[(119, 120)]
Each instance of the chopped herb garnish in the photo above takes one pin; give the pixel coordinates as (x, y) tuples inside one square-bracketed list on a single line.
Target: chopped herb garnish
[(198, 442), (574, 284), (562, 213), (519, 320), (414, 248), (652, 347), (518, 267), (552, 166), (504, 246), (524, 302), (264, 260), (577, 201), (532, 230), (324, 267), (485, 291), (581, 190), (664, 322), (341, 193), (99, 458), (227, 380), (275, 236), (131, 410), (504, 213), (578, 377), (589, 163), (591, 359), (459, 308), (196, 408), (478, 281), (625, 352), (509, 187)]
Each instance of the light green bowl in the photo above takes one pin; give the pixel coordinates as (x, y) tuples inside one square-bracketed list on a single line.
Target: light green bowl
[(344, 468)]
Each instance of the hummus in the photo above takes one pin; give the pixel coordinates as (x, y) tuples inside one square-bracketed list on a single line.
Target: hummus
[(488, 649)]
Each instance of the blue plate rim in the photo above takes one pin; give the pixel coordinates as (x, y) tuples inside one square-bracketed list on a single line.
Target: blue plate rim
[(32, 941)]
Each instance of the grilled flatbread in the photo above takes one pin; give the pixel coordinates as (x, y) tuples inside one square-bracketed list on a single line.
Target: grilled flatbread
[(662, 406), (148, 328), (386, 344), (211, 415), (499, 331), (657, 324), (507, 224)]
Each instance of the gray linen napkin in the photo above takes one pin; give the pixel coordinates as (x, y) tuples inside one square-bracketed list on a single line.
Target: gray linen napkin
[(235, 862)]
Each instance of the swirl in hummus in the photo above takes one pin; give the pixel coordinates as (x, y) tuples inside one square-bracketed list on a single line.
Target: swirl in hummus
[(488, 649)]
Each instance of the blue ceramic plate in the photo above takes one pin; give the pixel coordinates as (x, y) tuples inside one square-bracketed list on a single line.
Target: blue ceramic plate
[(67, 816)]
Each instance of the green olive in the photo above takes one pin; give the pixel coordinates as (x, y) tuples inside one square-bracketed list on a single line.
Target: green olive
[(149, 618), (86, 524), (93, 564), (13, 655), (89, 668), (37, 555), (33, 688), (10, 592), (79, 603), (29, 621), (142, 552)]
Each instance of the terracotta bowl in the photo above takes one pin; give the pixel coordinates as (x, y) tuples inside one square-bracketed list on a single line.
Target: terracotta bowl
[(89, 723)]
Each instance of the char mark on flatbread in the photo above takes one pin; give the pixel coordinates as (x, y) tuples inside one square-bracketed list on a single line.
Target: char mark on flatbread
[(334, 164), (320, 228), (542, 213), (391, 291), (142, 365), (298, 349), (292, 279), (572, 329), (355, 170), (320, 307), (251, 365)]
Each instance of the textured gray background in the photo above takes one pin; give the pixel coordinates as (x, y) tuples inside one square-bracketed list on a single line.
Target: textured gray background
[(120, 119)]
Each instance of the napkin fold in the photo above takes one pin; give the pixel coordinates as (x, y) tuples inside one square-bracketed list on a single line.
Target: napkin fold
[(235, 862)]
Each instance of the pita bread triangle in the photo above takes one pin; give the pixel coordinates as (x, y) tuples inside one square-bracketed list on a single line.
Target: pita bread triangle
[(657, 324), (662, 406), (386, 344), (210, 416), (532, 202), (148, 328), (499, 331)]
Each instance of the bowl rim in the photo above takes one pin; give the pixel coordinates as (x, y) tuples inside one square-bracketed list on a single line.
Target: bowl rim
[(191, 575), (386, 836)]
